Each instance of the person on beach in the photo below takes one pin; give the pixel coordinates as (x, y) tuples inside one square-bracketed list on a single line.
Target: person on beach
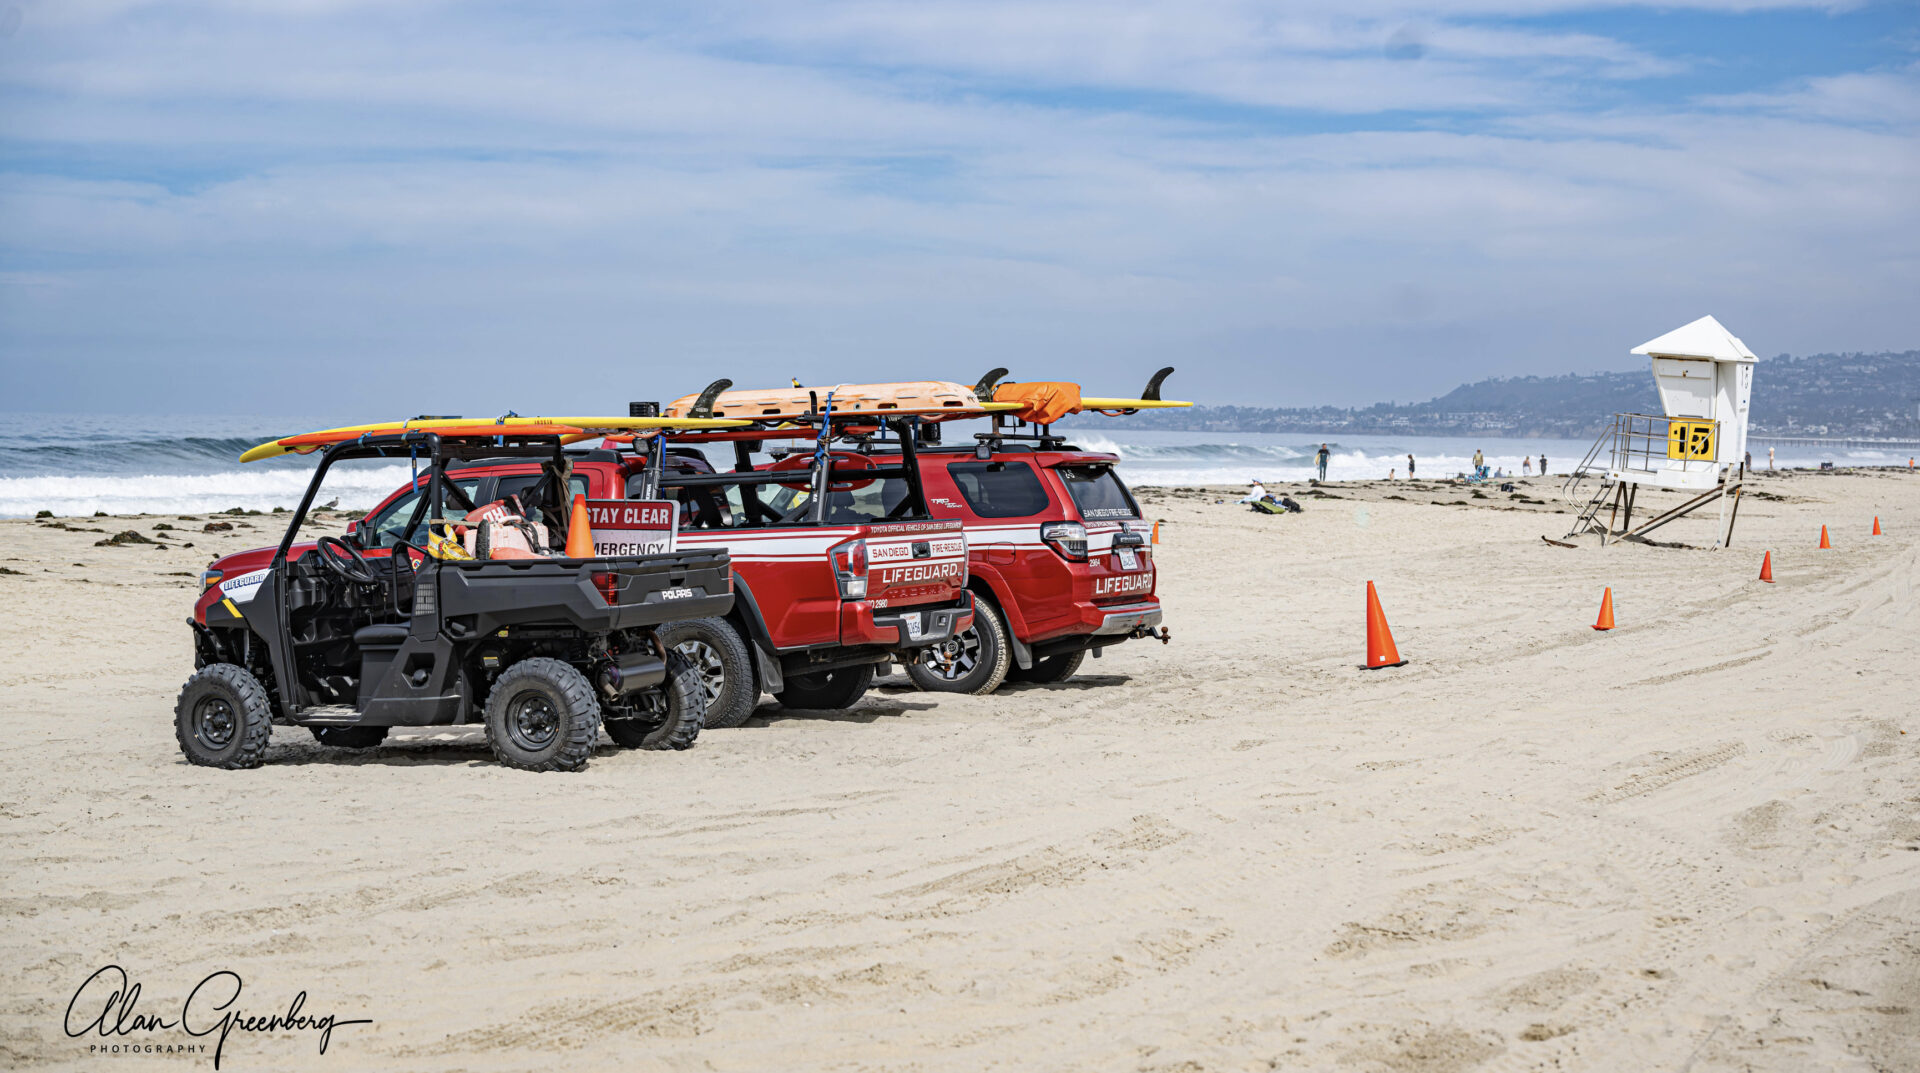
[(1479, 460), (1770, 459), (1526, 465), (1254, 494), (1409, 467), (1543, 463), (1322, 456)]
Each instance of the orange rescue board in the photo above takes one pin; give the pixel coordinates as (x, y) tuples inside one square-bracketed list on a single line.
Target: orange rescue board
[(918, 397)]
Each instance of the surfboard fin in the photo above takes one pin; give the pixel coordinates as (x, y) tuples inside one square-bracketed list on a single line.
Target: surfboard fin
[(1152, 393), (703, 406), (984, 389)]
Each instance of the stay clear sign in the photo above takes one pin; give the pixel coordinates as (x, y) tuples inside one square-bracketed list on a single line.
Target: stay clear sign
[(632, 526)]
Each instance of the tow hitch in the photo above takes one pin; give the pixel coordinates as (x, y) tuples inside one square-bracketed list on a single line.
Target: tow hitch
[(1147, 632)]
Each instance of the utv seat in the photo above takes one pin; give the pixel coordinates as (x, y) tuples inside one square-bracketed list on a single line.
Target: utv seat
[(386, 633)]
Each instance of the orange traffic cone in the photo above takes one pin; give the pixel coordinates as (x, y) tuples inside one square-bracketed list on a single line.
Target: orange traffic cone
[(1766, 568), (1380, 648), (579, 531), (1876, 525), (1824, 542), (1605, 621)]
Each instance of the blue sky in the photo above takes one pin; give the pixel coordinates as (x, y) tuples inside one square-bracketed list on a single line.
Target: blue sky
[(408, 205)]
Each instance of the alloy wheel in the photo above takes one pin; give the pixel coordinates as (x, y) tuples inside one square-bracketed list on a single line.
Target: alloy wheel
[(955, 658), (707, 666)]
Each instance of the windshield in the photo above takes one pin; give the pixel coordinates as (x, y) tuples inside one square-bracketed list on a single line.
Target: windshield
[(385, 528), (1098, 492)]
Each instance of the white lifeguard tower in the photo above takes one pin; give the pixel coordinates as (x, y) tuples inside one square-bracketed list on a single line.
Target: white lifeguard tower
[(1704, 374)]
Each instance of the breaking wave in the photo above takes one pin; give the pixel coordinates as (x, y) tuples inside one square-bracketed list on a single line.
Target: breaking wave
[(195, 493)]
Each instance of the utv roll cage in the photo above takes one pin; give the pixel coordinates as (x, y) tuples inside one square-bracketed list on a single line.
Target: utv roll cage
[(861, 433)]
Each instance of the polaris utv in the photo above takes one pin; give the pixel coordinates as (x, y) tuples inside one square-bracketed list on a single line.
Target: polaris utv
[(351, 636)]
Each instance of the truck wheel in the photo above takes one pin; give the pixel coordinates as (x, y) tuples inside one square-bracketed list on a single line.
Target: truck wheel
[(222, 718), (825, 691), (542, 716), (722, 664), (349, 737), (1051, 669), (684, 702), (972, 661)]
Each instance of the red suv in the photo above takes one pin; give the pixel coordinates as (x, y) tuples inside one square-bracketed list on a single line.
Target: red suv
[(1060, 562)]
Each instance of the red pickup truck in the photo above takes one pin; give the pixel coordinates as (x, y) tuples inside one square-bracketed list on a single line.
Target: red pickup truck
[(825, 588)]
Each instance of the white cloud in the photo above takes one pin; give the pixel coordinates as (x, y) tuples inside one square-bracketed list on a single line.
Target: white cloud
[(857, 185)]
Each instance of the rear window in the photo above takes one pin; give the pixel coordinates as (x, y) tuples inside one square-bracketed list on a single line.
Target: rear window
[(999, 489), (1097, 491), (874, 503), (520, 484)]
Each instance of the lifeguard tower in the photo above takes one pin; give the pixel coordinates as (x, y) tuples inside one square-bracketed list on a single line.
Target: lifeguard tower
[(1705, 377)]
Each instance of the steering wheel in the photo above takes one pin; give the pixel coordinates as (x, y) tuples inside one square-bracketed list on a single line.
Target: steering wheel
[(344, 560)]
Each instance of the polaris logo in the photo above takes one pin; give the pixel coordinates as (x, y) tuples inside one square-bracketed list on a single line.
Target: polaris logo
[(929, 572), (676, 594)]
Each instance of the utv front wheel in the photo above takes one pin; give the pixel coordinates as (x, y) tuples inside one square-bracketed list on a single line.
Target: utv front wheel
[(826, 690), (975, 660), (542, 716), (222, 718), (675, 710)]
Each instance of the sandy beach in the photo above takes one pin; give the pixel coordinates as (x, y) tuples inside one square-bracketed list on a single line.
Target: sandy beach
[(1692, 843)]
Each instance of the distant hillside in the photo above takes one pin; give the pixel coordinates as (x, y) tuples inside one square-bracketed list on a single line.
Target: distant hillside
[(1872, 395)]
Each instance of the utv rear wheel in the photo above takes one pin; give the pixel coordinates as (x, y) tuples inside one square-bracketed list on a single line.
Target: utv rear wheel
[(222, 718), (1051, 669), (825, 691), (974, 660), (349, 737), (684, 705), (723, 665), (542, 716)]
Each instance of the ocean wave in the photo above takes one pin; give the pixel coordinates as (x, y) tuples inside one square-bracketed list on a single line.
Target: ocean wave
[(1197, 452), (263, 489), (184, 456)]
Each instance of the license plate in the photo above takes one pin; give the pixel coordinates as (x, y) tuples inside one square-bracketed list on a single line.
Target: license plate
[(1129, 559), (913, 625)]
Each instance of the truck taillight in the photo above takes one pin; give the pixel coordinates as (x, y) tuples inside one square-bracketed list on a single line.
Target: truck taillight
[(850, 568), (1068, 539), (609, 585)]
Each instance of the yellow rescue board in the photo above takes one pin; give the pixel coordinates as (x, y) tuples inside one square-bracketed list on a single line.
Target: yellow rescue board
[(910, 398), (1088, 402), (275, 448)]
